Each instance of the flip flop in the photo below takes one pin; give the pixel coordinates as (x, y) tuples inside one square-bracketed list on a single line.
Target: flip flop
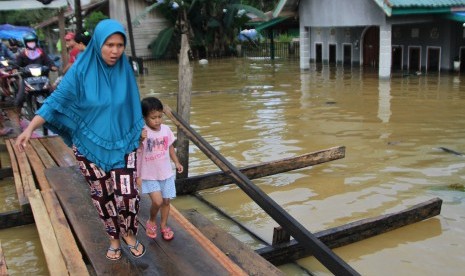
[(134, 247), (115, 250), (151, 229), (167, 234)]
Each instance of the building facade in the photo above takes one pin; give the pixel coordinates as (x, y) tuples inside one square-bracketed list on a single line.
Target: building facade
[(390, 35)]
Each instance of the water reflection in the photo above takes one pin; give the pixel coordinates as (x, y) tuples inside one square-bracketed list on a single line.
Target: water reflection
[(256, 111)]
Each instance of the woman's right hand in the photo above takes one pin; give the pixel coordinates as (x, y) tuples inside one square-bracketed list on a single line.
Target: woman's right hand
[(22, 139)]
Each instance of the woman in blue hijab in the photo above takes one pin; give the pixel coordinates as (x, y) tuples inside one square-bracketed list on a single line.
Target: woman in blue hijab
[(96, 110)]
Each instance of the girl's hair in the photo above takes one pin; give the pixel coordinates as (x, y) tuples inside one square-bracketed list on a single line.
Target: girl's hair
[(83, 38), (151, 104)]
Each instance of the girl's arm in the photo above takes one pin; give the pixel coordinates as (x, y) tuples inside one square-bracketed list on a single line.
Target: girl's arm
[(174, 158)]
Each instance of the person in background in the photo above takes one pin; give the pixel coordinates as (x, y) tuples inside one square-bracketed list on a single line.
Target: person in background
[(154, 173), (96, 111), (71, 45), (82, 40), (5, 52), (31, 54), (13, 45)]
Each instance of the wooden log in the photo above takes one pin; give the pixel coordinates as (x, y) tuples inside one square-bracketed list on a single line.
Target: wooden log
[(353, 232), (15, 218), (68, 246), (328, 258), (200, 182), (55, 262), (237, 251), (3, 266), (184, 102)]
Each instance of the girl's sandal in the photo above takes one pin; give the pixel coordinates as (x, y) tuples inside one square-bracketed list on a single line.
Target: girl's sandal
[(167, 234), (116, 256), (151, 229)]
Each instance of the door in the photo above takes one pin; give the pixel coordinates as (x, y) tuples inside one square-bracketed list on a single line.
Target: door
[(371, 47)]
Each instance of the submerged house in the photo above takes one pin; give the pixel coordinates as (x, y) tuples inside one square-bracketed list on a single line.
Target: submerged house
[(411, 35)]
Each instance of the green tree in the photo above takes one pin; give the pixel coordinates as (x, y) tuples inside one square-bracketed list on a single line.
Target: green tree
[(26, 17), (92, 20), (212, 25)]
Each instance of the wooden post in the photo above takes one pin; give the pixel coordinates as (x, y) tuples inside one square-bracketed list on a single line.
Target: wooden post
[(61, 26), (328, 258), (184, 104)]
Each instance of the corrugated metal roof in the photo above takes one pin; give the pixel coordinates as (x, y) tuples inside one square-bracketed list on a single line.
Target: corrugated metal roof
[(424, 3)]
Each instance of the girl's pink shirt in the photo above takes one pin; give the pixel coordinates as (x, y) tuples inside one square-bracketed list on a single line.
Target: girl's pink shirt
[(153, 156)]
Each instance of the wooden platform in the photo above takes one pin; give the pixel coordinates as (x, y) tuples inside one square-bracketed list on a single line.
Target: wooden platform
[(63, 202)]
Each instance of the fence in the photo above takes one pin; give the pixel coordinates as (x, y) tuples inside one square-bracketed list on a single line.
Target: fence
[(277, 50)]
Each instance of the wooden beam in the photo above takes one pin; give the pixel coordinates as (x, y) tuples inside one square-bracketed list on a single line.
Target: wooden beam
[(15, 218), (55, 262), (68, 246), (353, 232), (200, 182), (22, 198), (328, 258), (237, 251)]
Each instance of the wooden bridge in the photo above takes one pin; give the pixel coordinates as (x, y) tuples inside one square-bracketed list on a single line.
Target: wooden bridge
[(53, 194)]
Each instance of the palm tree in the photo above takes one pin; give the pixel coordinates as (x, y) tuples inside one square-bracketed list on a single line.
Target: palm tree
[(211, 25)]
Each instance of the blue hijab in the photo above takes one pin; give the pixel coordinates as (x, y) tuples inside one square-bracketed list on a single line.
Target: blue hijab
[(96, 107)]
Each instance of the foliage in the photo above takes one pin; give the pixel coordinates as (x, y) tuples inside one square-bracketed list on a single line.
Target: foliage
[(93, 19), (26, 17), (212, 25)]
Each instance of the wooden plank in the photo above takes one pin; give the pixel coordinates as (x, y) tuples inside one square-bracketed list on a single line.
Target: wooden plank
[(55, 262), (328, 258), (68, 246), (47, 160), (27, 178), (3, 266), (61, 153), (15, 218), (237, 251), (205, 181), (22, 198), (181, 256), (214, 251), (37, 166), (354, 231)]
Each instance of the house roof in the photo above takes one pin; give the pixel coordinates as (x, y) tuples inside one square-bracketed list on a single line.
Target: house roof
[(404, 7)]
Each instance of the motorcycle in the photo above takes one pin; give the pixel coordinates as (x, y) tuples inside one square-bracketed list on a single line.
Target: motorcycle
[(9, 80), (37, 87)]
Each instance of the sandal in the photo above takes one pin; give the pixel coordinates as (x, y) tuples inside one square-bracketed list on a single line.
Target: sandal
[(134, 247), (151, 229), (116, 255), (167, 233)]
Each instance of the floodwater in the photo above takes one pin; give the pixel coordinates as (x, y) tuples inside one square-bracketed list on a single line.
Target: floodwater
[(254, 111)]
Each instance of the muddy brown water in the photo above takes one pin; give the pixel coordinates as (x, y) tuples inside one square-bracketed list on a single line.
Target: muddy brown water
[(254, 111)]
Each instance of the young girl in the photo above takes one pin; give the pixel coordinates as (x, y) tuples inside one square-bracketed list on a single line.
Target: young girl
[(154, 172)]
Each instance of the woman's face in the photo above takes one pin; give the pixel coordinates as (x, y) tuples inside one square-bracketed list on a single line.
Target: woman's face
[(112, 49)]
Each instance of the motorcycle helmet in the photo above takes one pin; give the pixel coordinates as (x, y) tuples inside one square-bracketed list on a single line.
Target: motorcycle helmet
[(30, 38)]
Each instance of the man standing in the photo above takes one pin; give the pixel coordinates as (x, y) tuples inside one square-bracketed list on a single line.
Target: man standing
[(71, 45)]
